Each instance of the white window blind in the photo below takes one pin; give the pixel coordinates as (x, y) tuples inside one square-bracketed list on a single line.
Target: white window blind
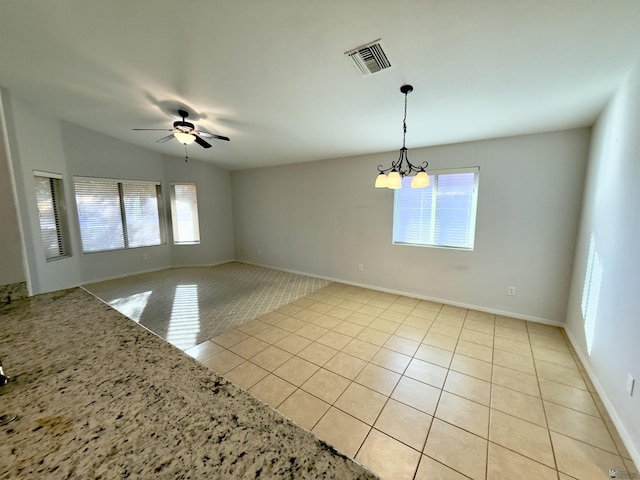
[(141, 213), (52, 214), (442, 215), (184, 213), (117, 214)]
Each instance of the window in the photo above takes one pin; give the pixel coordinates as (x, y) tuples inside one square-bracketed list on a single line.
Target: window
[(52, 214), (591, 292), (115, 214), (184, 213), (441, 215)]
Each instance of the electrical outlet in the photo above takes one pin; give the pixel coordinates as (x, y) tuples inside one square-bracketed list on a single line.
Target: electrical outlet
[(630, 384), (360, 267), (511, 291), (145, 256)]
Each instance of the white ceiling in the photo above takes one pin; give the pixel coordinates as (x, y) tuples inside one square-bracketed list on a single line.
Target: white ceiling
[(272, 74)]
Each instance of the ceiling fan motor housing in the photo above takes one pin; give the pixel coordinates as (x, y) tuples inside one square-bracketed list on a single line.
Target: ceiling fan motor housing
[(186, 127), (186, 133)]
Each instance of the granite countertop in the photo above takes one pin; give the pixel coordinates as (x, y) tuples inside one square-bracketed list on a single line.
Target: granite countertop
[(97, 396)]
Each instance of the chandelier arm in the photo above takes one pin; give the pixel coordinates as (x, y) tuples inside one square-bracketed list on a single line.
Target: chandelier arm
[(402, 165), (397, 165), (415, 168), (404, 157)]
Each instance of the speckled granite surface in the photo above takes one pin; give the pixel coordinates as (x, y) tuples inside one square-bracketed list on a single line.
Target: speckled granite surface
[(99, 397), (11, 292)]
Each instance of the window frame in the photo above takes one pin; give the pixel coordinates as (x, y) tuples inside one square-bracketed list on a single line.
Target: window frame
[(122, 206), (58, 215), (175, 223), (433, 190)]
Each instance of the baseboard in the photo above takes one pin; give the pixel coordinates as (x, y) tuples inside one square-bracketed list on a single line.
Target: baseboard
[(518, 316), (615, 418), (116, 277), (204, 265), (631, 448), (141, 272), (633, 451)]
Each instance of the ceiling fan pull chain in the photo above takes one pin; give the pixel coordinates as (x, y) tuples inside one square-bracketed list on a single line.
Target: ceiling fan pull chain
[(186, 157)]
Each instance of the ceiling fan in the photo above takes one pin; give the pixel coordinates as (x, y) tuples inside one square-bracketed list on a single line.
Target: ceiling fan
[(186, 133)]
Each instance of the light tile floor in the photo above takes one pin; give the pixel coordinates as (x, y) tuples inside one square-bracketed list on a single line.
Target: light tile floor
[(411, 389), (419, 390)]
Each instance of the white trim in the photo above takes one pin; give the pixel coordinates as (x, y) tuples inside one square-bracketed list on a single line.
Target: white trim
[(116, 277), (182, 183), (445, 301), (14, 191), (474, 169), (412, 230), (633, 450), (40, 173), (116, 180), (140, 272)]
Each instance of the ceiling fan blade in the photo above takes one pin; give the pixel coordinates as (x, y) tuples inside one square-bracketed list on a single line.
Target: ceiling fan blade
[(155, 129), (212, 135), (165, 139), (201, 142)]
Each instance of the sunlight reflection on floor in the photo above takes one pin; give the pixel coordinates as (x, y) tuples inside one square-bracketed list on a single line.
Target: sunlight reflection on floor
[(133, 305), (184, 323)]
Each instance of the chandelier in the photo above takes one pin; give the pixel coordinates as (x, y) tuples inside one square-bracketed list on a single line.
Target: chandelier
[(392, 177)]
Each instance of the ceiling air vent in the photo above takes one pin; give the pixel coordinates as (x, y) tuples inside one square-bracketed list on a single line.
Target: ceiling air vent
[(369, 58)]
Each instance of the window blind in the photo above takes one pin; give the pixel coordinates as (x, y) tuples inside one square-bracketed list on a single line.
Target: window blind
[(99, 215), (442, 214), (116, 214), (52, 215), (184, 213), (141, 213)]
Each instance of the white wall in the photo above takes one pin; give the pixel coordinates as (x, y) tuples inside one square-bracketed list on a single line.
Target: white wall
[(11, 256), (39, 141), (91, 154), (213, 187), (611, 216), (324, 218), (35, 143)]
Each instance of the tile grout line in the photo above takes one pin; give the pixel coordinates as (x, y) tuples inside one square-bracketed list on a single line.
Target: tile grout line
[(397, 348), (544, 409), (388, 397), (433, 417), (493, 350)]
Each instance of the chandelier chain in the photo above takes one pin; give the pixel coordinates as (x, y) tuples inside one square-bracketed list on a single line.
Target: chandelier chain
[(404, 121), (390, 177)]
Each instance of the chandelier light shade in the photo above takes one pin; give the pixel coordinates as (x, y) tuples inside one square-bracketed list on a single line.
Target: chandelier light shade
[(394, 180), (185, 138), (392, 177)]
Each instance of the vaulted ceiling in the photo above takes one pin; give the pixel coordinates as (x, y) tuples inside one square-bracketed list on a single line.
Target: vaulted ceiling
[(273, 74)]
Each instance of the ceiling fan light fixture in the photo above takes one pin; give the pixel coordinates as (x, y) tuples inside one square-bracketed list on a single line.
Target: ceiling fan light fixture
[(186, 133), (184, 138)]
